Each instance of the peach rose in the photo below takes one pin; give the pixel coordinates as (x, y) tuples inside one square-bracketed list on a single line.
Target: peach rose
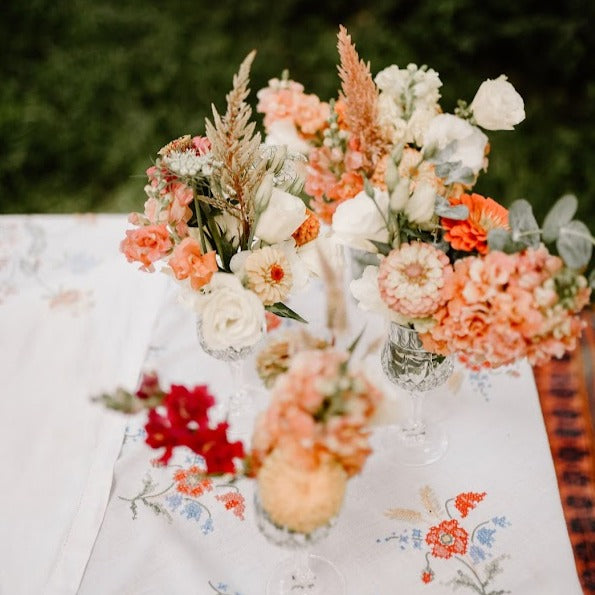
[(146, 245), (188, 262)]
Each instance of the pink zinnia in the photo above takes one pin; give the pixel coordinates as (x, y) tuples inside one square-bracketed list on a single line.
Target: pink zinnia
[(411, 279)]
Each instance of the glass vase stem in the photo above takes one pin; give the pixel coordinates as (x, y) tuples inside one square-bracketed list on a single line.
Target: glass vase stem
[(415, 428)]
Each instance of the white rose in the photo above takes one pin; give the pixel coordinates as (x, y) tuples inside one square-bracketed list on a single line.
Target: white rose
[(497, 105), (325, 244), (231, 316), (469, 142), (358, 220), (365, 291), (283, 215), (420, 206), (284, 132)]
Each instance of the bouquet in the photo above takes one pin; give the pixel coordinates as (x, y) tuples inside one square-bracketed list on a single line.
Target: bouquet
[(223, 216), (313, 436), (394, 175)]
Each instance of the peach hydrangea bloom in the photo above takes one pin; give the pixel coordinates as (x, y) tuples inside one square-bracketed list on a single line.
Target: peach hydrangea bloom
[(146, 245), (188, 262), (503, 307), (300, 499), (471, 234), (269, 275), (411, 279)]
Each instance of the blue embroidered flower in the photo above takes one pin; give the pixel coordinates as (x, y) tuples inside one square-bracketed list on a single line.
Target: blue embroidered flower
[(501, 521), (477, 554), (208, 526), (485, 536), (192, 510), (174, 501), (417, 538)]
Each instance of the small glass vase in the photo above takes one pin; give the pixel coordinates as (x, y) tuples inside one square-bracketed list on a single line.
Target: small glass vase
[(241, 408), (408, 365), (303, 572)]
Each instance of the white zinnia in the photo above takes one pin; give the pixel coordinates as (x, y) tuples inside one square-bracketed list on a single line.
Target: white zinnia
[(283, 215), (268, 275), (358, 220), (497, 105), (231, 316)]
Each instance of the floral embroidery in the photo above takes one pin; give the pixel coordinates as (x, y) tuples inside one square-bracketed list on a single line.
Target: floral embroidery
[(186, 493), (447, 539), (222, 589)]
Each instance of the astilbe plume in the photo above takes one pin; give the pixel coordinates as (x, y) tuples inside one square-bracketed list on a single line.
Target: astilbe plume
[(235, 148), (360, 96)]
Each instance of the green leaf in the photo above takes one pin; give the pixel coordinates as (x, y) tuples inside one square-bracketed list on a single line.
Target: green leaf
[(499, 239), (442, 208), (355, 342), (560, 214), (523, 224), (575, 244), (382, 247), (280, 309)]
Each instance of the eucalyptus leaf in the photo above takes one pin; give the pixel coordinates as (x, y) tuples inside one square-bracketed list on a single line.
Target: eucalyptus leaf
[(575, 244), (280, 309), (560, 214), (443, 208), (461, 174), (500, 239), (523, 224), (382, 247)]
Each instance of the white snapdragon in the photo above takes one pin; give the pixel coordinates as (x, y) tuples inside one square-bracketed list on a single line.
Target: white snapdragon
[(497, 105)]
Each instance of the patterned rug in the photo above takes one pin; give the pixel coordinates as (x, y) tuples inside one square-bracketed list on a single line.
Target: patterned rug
[(567, 393)]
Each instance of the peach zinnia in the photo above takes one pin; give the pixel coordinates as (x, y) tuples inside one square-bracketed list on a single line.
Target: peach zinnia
[(411, 279), (471, 234)]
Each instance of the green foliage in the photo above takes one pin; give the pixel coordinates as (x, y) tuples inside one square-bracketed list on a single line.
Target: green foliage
[(92, 88)]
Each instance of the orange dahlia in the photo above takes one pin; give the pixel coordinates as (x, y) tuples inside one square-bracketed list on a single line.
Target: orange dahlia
[(472, 233)]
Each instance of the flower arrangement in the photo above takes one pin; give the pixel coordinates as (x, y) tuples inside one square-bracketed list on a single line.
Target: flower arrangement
[(394, 175), (313, 436), (223, 217)]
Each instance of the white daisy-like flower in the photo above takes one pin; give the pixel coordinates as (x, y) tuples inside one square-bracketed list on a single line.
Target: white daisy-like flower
[(268, 275)]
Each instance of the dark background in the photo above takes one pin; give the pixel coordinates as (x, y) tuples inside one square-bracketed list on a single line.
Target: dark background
[(91, 89)]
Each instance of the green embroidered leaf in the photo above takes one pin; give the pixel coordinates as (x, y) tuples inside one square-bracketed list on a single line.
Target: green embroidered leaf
[(280, 309), (560, 214)]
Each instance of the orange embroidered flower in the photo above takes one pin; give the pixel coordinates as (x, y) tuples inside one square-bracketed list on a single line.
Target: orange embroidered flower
[(468, 501), (233, 501), (308, 230), (427, 576), (472, 233), (188, 262), (192, 481), (447, 538)]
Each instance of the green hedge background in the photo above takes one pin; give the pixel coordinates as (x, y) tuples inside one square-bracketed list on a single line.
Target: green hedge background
[(91, 89)]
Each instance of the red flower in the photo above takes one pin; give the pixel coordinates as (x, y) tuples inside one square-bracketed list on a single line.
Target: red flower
[(149, 386), (468, 501), (427, 576), (233, 501), (447, 538), (184, 406)]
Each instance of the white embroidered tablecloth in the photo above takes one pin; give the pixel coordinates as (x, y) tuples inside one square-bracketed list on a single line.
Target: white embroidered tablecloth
[(76, 320)]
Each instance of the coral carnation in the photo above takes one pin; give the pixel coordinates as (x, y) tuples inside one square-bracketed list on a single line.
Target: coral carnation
[(188, 262)]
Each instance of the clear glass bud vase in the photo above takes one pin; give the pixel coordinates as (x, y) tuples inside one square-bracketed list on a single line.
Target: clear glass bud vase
[(407, 364)]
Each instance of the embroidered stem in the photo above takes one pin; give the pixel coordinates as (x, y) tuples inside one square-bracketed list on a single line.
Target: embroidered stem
[(446, 507), (476, 528), (482, 585)]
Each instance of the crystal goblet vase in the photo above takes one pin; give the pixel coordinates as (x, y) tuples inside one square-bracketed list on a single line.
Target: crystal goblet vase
[(241, 407), (407, 364), (303, 572)]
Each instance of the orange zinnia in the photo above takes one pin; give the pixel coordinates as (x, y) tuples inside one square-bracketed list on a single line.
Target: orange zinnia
[(472, 233)]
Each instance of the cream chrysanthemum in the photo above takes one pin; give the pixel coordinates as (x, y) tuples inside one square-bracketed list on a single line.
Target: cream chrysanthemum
[(301, 500), (411, 279), (269, 275)]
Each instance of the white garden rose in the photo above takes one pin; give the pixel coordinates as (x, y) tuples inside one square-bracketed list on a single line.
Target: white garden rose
[(358, 220), (497, 105), (231, 316), (283, 215), (284, 132), (469, 142)]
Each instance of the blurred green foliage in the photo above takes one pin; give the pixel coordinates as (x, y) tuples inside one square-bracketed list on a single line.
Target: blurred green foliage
[(91, 89)]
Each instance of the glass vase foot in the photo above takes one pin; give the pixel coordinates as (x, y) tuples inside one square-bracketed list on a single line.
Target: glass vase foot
[(315, 575), (418, 449)]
